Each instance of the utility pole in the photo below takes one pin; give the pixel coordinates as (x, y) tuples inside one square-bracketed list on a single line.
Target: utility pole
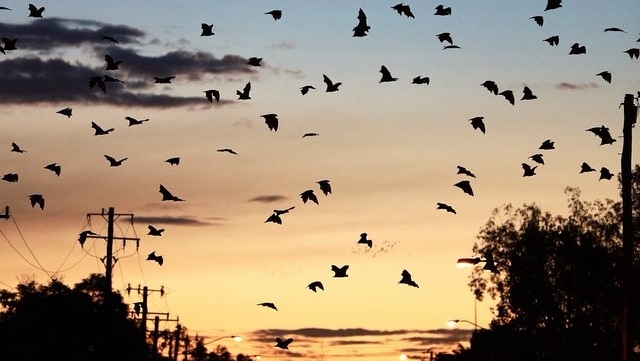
[(630, 115), (111, 218), (177, 338)]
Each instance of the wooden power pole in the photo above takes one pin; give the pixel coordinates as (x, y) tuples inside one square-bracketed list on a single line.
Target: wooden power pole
[(630, 115), (111, 217)]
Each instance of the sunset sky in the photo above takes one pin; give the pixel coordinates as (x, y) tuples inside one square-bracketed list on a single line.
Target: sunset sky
[(390, 151)]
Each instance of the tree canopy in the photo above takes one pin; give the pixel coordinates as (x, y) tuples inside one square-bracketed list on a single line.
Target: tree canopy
[(559, 286), (55, 322)]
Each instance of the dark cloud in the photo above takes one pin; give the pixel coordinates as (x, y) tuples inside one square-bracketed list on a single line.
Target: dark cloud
[(38, 73), (179, 63), (268, 198), (574, 86), (180, 221), (52, 33)]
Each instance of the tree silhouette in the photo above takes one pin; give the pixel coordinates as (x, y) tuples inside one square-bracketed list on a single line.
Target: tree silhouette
[(54, 322), (200, 353), (559, 286)]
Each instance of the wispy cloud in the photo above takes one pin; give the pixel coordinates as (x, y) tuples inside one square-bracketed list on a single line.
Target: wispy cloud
[(180, 221), (268, 198), (353, 341), (575, 86)]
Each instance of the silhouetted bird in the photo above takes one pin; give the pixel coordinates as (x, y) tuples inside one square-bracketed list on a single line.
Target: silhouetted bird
[(403, 10), (363, 240), (134, 121), (386, 75), (528, 170), (445, 37), (465, 171), (325, 186), (491, 86), (82, 237), (207, 29), (109, 79), (633, 53), (37, 199), (465, 185), (537, 158), (111, 64), (605, 75), (452, 46), (553, 4), (271, 120), (100, 131), (153, 231), (275, 216), (361, 29), (153, 257), (16, 148), (331, 87), (110, 38), (527, 94), (309, 195), (114, 162), (313, 286), (268, 304), (478, 123), (54, 167), (340, 272), (9, 44), (167, 196), (66, 111), (310, 135), (253, 61), (305, 89), (283, 344), (99, 81), (553, 40), (212, 94), (137, 307), (605, 174), (442, 11), (173, 161), (165, 80), (407, 280), (614, 30), (538, 19), (446, 207), (420, 80), (276, 14), (35, 12), (577, 49), (10, 177), (244, 94), (508, 94), (603, 133), (227, 150), (547, 145), (586, 168)]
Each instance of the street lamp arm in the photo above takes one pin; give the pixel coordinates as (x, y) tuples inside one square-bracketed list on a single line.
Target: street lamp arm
[(235, 338), (454, 322)]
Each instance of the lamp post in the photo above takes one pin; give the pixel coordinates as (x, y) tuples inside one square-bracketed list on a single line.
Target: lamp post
[(468, 262)]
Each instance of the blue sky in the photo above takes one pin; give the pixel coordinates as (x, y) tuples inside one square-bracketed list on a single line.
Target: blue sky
[(390, 151)]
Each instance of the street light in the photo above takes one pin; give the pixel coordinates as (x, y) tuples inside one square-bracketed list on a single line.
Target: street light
[(453, 323), (489, 264), (234, 338)]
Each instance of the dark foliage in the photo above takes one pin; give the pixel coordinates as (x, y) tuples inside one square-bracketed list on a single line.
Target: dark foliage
[(559, 288), (55, 322)]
